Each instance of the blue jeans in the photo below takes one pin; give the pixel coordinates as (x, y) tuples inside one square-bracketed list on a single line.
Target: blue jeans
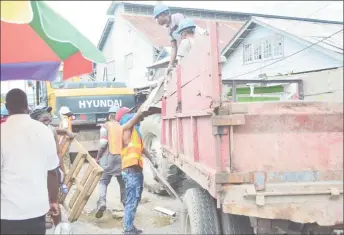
[(133, 180)]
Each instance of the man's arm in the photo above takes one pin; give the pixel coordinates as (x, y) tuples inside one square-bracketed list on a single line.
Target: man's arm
[(173, 54), (58, 150), (103, 142), (132, 122), (66, 132)]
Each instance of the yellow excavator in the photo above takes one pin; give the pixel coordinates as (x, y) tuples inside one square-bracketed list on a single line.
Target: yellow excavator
[(89, 102)]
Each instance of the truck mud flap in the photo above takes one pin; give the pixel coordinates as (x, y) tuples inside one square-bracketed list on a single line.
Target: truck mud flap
[(85, 183)]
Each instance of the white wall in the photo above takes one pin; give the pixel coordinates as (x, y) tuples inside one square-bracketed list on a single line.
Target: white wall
[(6, 86), (324, 86), (120, 43), (307, 60)]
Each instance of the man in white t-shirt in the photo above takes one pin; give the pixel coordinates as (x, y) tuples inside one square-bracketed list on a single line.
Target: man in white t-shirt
[(29, 181)]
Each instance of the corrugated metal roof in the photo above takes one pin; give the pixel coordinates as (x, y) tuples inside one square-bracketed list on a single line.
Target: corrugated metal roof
[(309, 31), (159, 37)]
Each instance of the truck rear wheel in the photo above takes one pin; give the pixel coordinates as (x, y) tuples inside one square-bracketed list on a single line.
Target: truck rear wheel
[(151, 131), (199, 213), (235, 224)]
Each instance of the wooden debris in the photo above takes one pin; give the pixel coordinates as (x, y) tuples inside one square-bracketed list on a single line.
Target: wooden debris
[(165, 211)]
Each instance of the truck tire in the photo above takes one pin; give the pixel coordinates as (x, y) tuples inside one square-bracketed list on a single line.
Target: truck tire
[(151, 132), (199, 213), (235, 224)]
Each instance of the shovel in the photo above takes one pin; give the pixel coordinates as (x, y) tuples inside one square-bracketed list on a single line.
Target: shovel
[(165, 182)]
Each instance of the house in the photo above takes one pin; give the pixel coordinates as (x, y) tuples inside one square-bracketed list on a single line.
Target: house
[(132, 40), (266, 47)]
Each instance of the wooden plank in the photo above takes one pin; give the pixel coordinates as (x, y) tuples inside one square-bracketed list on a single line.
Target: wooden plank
[(64, 143), (228, 120), (73, 172), (82, 182), (79, 199), (165, 211), (78, 185), (88, 194), (85, 187)]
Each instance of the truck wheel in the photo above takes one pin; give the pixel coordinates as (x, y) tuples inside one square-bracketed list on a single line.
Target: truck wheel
[(151, 131), (199, 213), (235, 224)]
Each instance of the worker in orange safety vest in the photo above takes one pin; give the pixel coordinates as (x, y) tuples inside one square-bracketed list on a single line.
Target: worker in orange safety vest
[(109, 158), (132, 165)]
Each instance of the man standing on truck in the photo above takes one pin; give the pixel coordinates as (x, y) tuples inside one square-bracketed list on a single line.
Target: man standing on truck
[(186, 29), (132, 165), (65, 116), (109, 158), (171, 21), (29, 180)]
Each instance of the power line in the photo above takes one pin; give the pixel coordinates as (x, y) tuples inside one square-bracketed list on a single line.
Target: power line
[(319, 10), (286, 56)]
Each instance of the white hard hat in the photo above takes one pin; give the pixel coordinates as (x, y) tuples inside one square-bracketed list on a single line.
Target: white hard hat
[(64, 110)]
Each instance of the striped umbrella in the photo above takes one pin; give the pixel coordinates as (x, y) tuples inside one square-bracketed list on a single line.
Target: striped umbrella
[(35, 41)]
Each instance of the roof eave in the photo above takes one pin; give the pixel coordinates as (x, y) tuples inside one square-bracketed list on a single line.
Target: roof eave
[(105, 33), (226, 50), (114, 4)]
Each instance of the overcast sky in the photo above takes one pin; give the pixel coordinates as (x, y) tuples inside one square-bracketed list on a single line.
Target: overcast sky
[(90, 16)]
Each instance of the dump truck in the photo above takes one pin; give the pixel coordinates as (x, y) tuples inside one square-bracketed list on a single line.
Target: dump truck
[(266, 167), (89, 102)]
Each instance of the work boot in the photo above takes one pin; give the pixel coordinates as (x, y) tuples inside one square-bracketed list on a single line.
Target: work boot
[(138, 231), (100, 212), (134, 231)]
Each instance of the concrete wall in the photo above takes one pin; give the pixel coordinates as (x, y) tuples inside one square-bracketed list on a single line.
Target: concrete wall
[(123, 40), (307, 60), (324, 86)]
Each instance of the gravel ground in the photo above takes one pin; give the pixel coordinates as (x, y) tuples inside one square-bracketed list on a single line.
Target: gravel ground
[(147, 219)]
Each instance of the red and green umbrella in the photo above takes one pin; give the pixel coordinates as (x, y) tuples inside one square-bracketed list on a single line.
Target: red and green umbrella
[(35, 41)]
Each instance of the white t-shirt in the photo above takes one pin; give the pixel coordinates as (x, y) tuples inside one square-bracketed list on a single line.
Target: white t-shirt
[(28, 152)]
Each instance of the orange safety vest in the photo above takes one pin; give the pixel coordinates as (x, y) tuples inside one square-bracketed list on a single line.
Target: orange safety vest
[(132, 153), (115, 141)]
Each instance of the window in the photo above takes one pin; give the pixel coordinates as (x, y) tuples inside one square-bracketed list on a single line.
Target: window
[(257, 53), (128, 60), (267, 48), (110, 67), (271, 47), (278, 47), (247, 53)]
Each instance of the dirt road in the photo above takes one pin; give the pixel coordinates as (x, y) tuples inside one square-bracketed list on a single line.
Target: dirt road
[(147, 219)]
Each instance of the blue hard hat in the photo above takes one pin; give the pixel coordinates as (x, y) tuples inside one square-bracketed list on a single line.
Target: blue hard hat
[(184, 24), (113, 109), (4, 111), (158, 9)]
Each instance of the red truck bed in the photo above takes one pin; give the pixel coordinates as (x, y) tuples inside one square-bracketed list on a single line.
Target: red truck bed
[(274, 160)]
